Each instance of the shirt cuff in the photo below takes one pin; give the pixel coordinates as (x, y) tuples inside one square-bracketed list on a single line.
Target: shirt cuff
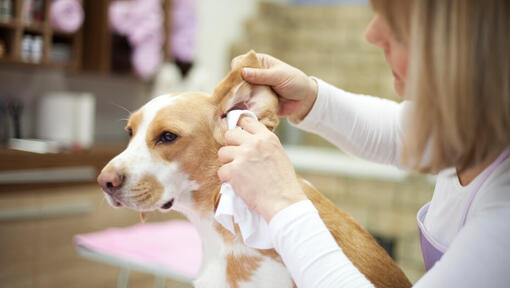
[(289, 214), (317, 112)]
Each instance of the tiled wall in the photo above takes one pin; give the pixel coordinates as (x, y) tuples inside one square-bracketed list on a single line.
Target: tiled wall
[(386, 209), (326, 41)]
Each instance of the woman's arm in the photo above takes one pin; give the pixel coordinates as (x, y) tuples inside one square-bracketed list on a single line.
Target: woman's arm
[(364, 126), (478, 257), (310, 252)]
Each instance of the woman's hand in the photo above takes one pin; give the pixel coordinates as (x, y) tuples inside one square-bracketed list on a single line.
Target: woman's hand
[(255, 164), (297, 91)]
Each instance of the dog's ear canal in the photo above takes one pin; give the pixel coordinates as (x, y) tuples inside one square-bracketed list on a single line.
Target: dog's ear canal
[(233, 93)]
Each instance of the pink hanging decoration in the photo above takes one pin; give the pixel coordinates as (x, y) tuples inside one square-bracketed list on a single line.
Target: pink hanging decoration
[(184, 26), (66, 15), (141, 21)]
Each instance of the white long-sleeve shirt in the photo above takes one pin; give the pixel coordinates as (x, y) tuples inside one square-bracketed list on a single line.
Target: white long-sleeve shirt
[(371, 128)]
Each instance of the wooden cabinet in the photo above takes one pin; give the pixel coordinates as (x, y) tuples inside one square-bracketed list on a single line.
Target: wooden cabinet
[(94, 48), (16, 31)]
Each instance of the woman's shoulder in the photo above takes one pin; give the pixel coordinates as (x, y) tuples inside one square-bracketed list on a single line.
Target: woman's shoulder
[(495, 192)]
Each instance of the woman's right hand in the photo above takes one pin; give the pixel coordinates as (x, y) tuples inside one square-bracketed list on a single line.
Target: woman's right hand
[(296, 91)]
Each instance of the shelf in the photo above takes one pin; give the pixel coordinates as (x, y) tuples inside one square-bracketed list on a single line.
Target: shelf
[(52, 65), (9, 24), (14, 31), (63, 34), (35, 27), (19, 161), (97, 156)]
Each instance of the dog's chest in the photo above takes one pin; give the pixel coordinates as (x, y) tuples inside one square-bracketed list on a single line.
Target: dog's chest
[(244, 271), (234, 265), (228, 263)]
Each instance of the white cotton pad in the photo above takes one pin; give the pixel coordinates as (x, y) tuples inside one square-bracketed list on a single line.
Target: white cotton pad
[(232, 209)]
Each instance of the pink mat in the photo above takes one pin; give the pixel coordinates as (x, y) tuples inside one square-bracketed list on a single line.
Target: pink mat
[(172, 245)]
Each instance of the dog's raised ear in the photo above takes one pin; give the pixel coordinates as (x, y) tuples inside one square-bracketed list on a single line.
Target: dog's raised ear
[(233, 93)]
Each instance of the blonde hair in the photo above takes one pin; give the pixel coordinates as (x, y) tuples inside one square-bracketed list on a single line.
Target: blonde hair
[(458, 79)]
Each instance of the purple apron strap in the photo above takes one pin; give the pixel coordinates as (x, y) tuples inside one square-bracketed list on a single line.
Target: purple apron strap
[(432, 250), (430, 253)]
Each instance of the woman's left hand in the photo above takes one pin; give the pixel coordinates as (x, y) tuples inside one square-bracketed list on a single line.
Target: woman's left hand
[(255, 164)]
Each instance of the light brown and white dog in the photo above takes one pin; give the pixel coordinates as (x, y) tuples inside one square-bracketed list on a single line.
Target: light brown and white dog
[(171, 162)]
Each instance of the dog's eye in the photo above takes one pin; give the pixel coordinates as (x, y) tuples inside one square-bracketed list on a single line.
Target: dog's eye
[(167, 138), (130, 132)]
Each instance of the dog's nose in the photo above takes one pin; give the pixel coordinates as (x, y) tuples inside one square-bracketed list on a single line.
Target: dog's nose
[(110, 181)]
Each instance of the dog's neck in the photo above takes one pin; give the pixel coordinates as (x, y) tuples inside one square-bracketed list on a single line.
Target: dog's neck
[(216, 240)]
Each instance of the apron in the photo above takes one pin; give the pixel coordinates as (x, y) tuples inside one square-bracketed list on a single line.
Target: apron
[(431, 249)]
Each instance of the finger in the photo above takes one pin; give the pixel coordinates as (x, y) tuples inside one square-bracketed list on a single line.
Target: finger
[(227, 154), (267, 60), (225, 172), (236, 137), (251, 125), (270, 76)]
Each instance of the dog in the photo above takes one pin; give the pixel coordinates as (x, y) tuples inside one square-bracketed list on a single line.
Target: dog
[(171, 162)]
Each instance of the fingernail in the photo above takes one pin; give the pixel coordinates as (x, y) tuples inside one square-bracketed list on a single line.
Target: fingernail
[(247, 72)]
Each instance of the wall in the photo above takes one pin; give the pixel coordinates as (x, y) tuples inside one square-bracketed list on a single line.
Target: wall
[(221, 22)]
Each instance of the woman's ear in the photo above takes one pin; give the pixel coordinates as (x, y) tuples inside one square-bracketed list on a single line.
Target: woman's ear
[(233, 93)]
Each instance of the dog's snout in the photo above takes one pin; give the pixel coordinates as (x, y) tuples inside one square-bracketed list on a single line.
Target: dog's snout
[(110, 181)]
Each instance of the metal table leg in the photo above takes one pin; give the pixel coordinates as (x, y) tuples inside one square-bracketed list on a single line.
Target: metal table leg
[(122, 280), (159, 282)]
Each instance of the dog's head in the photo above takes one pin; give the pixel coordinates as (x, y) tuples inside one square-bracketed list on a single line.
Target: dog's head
[(171, 159)]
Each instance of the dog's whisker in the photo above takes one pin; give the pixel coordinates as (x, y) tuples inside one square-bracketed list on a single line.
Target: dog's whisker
[(138, 191), (146, 197), (121, 107), (140, 195)]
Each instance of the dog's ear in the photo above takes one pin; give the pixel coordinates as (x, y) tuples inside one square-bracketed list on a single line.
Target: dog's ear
[(233, 93)]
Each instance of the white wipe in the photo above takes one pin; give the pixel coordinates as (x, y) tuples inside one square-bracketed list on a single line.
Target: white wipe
[(231, 208)]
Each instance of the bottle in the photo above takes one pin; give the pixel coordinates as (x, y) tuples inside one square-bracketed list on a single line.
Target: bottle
[(27, 11), (36, 49), (26, 48), (37, 10), (5, 10)]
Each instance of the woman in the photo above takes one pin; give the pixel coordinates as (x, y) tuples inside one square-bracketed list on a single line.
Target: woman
[(451, 64)]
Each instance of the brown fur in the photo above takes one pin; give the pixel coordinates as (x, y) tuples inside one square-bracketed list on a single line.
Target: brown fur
[(241, 268), (357, 244), (203, 169), (260, 99), (147, 191), (134, 121), (271, 253)]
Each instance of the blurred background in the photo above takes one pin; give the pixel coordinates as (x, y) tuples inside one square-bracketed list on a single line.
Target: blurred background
[(72, 70)]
